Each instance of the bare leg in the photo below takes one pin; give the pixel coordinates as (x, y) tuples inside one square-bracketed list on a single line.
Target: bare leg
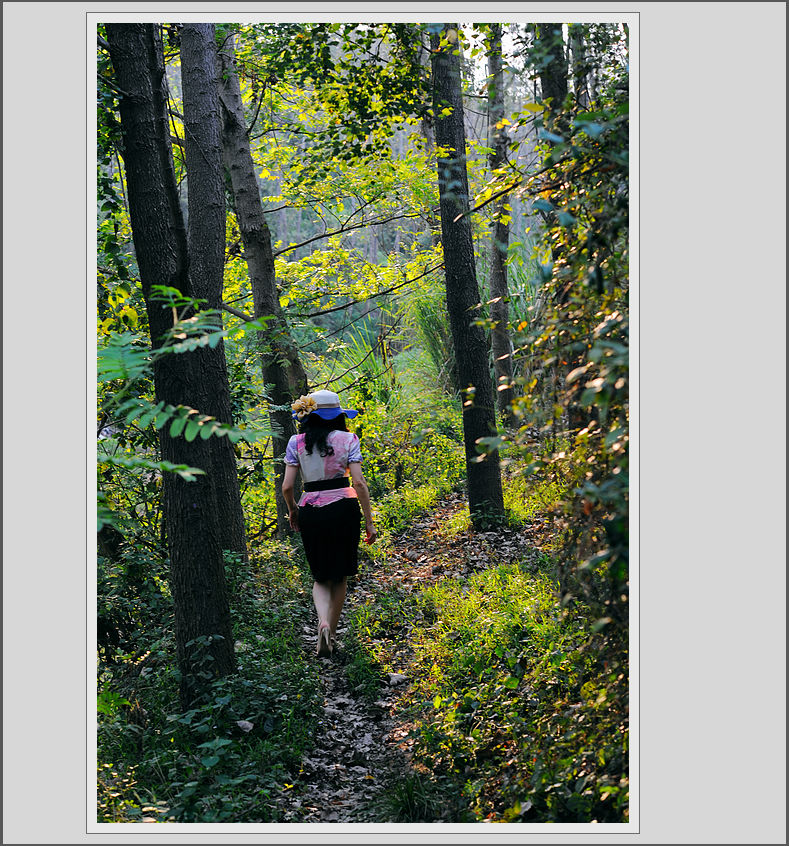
[(321, 596), (338, 590)]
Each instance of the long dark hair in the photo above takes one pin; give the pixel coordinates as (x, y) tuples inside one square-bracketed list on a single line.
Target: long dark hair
[(316, 430)]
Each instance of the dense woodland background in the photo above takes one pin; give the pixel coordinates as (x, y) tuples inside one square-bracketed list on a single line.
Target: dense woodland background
[(431, 220)]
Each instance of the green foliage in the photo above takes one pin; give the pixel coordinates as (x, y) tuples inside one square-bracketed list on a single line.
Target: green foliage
[(118, 796), (412, 799), (375, 619), (108, 702), (242, 740), (510, 710), (396, 454), (365, 78), (129, 417), (573, 342), (134, 613), (426, 311)]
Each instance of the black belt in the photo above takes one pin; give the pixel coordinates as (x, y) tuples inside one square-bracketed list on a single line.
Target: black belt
[(327, 484)]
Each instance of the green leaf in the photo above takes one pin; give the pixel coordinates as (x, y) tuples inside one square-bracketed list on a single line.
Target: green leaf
[(215, 744), (510, 682), (192, 428), (489, 444), (108, 702), (177, 426), (162, 417), (210, 761), (146, 418), (139, 411), (190, 474)]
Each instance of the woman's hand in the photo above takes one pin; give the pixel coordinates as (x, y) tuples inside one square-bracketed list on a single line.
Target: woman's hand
[(293, 519), (363, 492), (372, 534)]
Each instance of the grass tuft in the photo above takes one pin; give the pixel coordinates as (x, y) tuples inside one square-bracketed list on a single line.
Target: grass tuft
[(412, 799)]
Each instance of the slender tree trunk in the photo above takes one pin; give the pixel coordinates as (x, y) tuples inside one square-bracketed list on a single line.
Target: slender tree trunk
[(427, 126), (282, 368), (197, 577), (549, 57), (553, 71), (497, 281), (206, 244), (553, 81), (580, 67), (471, 345)]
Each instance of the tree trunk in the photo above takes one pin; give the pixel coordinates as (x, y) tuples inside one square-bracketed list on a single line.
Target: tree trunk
[(471, 345), (553, 70), (206, 245), (580, 67), (550, 59), (499, 291), (282, 368), (553, 80), (197, 578)]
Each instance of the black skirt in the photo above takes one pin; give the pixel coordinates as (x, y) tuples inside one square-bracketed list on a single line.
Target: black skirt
[(330, 534)]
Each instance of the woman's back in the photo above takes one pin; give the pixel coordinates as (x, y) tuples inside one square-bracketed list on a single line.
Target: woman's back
[(316, 467)]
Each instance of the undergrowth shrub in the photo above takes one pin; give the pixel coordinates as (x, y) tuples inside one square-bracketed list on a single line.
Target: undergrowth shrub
[(512, 704), (134, 606), (231, 752), (406, 451)]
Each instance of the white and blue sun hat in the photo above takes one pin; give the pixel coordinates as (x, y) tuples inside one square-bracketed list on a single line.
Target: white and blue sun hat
[(325, 404)]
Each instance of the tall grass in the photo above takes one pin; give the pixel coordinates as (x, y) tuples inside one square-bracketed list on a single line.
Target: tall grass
[(426, 314)]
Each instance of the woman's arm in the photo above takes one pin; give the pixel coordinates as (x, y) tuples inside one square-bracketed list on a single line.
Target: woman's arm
[(287, 493), (363, 492)]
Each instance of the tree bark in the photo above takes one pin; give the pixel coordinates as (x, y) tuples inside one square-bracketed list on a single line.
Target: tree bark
[(197, 577), (550, 59), (281, 366), (553, 81), (580, 67), (470, 343), (206, 246), (497, 280), (553, 71)]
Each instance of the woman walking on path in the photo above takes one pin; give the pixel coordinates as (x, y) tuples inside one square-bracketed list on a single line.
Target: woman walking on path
[(327, 515)]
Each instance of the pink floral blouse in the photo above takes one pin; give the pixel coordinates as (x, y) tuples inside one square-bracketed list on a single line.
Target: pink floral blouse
[(315, 467)]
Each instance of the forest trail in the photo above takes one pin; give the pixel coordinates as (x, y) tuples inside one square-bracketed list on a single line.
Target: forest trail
[(361, 745)]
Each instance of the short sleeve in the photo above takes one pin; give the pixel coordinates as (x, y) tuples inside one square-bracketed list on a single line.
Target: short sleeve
[(355, 450), (291, 456)]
